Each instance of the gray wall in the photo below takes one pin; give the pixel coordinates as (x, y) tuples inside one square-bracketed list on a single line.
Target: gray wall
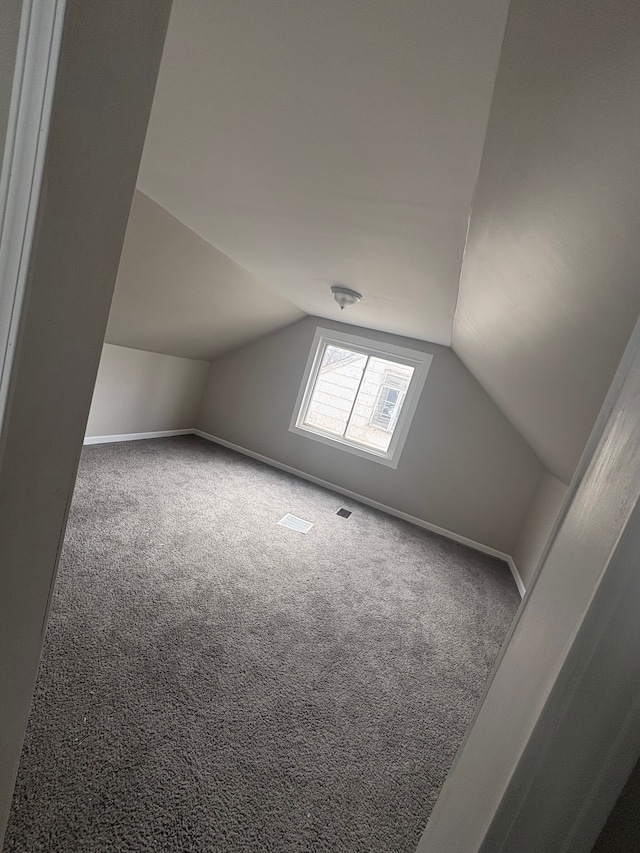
[(463, 468), (104, 87), (550, 287), (538, 525), (138, 391)]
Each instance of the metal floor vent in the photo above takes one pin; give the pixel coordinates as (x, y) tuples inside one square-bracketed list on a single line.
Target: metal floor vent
[(295, 523), (344, 513)]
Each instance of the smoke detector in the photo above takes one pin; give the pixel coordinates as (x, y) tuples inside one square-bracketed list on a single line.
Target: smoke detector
[(344, 296)]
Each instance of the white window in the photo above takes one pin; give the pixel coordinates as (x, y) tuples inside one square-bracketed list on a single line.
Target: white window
[(390, 399), (359, 394)]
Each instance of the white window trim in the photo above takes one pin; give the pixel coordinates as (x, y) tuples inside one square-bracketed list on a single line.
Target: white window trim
[(420, 361)]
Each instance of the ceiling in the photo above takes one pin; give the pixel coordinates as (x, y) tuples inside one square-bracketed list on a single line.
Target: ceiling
[(327, 142), (176, 294), (550, 291), (321, 142)]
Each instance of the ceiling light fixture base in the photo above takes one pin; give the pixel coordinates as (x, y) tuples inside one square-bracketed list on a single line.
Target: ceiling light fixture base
[(345, 296)]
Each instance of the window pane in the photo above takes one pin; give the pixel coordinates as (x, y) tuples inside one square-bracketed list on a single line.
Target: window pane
[(379, 402), (335, 390)]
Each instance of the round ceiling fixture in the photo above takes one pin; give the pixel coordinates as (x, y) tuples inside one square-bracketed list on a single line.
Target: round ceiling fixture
[(344, 296)]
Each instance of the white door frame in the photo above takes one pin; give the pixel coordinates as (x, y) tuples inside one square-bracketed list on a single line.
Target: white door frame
[(36, 62), (558, 729), (85, 73)]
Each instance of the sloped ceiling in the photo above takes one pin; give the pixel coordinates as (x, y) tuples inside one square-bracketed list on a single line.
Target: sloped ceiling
[(177, 294), (550, 286), (319, 142), (322, 141)]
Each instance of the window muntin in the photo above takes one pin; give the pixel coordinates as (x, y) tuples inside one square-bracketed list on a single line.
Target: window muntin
[(356, 394)]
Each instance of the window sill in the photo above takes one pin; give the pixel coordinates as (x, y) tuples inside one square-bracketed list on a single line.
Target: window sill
[(343, 444)]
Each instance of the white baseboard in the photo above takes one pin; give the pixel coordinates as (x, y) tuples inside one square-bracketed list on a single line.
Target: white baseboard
[(516, 575), (419, 522), (135, 436)]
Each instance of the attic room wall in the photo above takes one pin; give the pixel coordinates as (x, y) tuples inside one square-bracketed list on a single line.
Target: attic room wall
[(550, 289), (178, 301), (463, 468), (138, 391), (538, 525)]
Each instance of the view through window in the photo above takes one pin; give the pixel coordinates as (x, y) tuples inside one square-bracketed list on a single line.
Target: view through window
[(360, 394)]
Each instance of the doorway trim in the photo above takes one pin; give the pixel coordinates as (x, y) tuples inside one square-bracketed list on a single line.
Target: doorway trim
[(557, 731), (75, 200), (27, 132)]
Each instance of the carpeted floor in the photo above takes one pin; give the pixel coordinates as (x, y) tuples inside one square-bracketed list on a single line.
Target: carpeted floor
[(212, 681)]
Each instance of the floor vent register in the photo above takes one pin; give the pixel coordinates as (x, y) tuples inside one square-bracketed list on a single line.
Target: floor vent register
[(295, 523)]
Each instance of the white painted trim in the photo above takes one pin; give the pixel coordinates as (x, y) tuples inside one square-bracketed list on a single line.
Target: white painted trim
[(412, 519), (516, 576), (557, 731), (23, 163), (135, 436), (419, 360)]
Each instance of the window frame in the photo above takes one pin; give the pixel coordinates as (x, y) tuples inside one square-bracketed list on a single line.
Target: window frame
[(390, 426), (420, 361)]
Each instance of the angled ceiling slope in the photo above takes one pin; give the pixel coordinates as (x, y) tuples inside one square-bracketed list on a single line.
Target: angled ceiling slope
[(321, 142), (176, 294), (550, 286)]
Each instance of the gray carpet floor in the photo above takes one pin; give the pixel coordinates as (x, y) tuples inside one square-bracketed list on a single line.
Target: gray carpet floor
[(212, 681)]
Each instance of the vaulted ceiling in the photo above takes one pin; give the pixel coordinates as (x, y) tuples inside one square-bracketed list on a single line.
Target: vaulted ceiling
[(177, 294), (550, 287), (333, 141), (296, 143)]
